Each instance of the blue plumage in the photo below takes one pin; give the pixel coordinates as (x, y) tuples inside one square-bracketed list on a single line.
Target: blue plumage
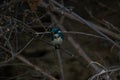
[(56, 36)]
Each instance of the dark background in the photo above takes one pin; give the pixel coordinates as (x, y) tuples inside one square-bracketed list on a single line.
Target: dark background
[(40, 53)]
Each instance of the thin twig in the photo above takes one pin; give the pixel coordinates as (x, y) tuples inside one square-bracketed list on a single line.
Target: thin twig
[(74, 32), (9, 44), (23, 74), (107, 23), (104, 72), (73, 15), (23, 59), (15, 54), (60, 63), (78, 48), (106, 31)]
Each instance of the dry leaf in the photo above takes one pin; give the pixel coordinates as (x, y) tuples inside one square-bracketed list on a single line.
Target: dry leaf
[(33, 4)]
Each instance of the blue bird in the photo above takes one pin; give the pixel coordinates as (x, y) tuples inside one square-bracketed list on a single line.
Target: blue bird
[(56, 37)]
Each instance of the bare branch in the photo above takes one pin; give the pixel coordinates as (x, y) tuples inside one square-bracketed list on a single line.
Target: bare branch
[(21, 58), (60, 63), (73, 15)]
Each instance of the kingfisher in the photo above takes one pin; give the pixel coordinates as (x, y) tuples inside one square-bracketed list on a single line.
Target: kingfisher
[(56, 37)]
